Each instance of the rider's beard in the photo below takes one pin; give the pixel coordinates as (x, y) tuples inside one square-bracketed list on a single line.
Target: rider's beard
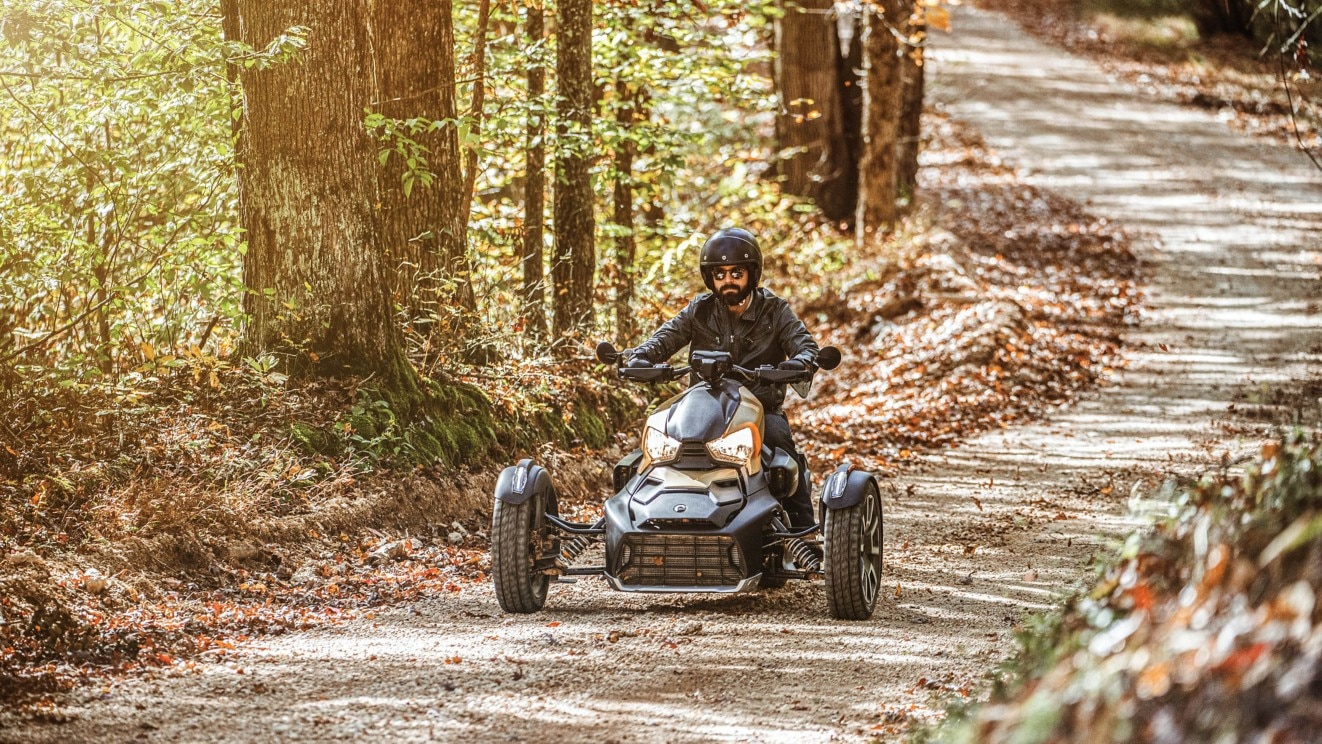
[(732, 295)]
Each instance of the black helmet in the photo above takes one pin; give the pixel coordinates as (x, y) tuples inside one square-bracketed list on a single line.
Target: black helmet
[(733, 246)]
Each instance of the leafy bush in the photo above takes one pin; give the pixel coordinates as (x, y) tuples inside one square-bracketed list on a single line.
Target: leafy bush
[(1207, 629)]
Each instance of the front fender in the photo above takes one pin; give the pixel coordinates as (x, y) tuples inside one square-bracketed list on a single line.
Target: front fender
[(518, 483), (845, 487)]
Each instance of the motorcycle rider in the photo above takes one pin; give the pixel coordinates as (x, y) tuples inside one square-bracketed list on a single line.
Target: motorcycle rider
[(755, 326)]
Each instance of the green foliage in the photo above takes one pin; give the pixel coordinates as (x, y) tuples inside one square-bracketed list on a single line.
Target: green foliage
[(703, 137), (118, 219), (118, 212), (120, 239), (396, 137)]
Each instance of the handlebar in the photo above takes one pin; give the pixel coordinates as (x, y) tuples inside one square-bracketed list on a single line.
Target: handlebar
[(667, 373), (828, 358)]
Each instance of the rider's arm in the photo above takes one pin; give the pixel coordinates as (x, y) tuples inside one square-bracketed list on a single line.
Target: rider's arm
[(795, 341), (674, 335)]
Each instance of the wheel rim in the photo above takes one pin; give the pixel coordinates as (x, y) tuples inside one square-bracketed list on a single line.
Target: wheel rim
[(535, 542), (870, 548)]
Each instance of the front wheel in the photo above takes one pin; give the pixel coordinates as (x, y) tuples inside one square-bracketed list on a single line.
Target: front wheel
[(853, 556), (515, 544)]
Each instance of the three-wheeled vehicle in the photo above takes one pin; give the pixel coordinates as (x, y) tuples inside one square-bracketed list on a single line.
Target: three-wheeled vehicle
[(697, 507)]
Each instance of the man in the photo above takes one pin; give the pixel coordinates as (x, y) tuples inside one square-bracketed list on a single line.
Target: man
[(755, 326)]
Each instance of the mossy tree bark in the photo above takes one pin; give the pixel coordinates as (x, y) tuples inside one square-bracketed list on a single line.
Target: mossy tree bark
[(812, 122), (424, 229), (574, 262), (882, 102)]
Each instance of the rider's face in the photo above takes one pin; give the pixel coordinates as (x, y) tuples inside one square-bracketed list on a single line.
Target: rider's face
[(730, 280)]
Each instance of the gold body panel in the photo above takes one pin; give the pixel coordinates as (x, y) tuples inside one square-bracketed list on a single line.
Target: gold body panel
[(750, 412)]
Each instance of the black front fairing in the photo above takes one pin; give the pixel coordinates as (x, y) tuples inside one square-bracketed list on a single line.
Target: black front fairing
[(692, 523), (703, 412)]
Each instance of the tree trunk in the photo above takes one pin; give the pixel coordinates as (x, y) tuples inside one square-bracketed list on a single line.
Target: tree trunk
[(1224, 17), (912, 65), (423, 232), (811, 121), (850, 64), (575, 254), (882, 94), (534, 220), (626, 243), (317, 285)]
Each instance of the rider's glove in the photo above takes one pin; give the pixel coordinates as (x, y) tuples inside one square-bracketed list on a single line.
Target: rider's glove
[(638, 361), (796, 365)]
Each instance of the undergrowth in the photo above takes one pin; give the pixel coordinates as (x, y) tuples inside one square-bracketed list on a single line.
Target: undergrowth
[(216, 452), (1206, 628)]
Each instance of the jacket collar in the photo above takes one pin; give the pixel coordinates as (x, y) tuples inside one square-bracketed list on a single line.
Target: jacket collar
[(754, 307)]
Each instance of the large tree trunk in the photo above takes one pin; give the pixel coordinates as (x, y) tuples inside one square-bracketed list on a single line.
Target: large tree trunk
[(575, 254), (811, 121), (317, 284), (882, 89), (912, 67), (534, 220), (423, 233)]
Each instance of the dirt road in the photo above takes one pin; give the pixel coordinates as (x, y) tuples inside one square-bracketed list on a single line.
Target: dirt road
[(974, 538)]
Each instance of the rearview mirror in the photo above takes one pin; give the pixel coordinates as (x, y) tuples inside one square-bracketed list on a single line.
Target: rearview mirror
[(606, 353), (828, 358)]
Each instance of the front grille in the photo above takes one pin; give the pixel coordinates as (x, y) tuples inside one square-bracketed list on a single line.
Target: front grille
[(693, 456), (680, 560), (676, 523)]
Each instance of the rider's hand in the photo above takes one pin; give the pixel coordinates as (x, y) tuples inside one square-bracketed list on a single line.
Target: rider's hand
[(637, 362), (795, 365)]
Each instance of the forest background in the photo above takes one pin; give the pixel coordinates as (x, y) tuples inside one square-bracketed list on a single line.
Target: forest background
[(423, 201), (254, 253)]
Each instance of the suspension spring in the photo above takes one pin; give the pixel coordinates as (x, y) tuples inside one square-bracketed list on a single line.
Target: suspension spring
[(574, 548), (806, 557)]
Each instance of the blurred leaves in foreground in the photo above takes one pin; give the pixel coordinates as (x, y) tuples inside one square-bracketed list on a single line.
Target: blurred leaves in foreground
[(1207, 628)]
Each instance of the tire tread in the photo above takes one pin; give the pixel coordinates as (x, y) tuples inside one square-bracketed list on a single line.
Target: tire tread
[(516, 588), (844, 583)]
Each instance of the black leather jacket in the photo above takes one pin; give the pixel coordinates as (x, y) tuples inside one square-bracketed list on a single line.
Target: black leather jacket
[(767, 333)]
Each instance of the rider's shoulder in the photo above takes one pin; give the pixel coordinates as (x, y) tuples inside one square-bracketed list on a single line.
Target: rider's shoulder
[(706, 299), (772, 298)]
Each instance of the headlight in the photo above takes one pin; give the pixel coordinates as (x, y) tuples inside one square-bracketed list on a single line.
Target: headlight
[(658, 447), (736, 448)]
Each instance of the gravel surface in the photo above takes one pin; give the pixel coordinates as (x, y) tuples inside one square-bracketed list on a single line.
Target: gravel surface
[(975, 537)]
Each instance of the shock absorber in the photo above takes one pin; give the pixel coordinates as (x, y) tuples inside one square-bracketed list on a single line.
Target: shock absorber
[(805, 556), (574, 548)]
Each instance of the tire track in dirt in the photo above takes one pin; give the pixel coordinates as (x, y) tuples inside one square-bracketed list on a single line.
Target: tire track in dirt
[(975, 536)]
